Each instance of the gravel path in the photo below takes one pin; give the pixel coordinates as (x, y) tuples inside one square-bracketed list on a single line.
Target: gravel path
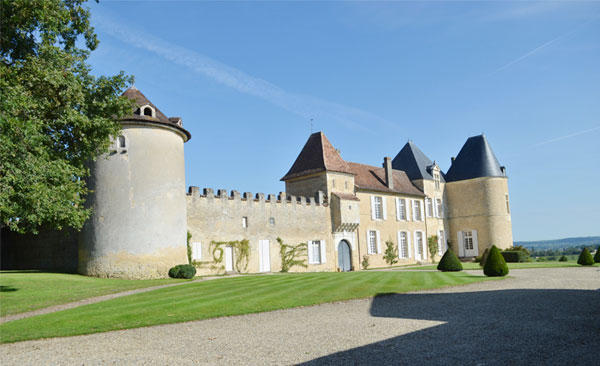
[(540, 316)]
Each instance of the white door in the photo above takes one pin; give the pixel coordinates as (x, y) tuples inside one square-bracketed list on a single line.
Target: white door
[(228, 259), (418, 245), (470, 243), (264, 254)]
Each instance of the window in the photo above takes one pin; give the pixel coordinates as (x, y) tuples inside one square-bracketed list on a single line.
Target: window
[(417, 210), (436, 179), (441, 242), (507, 205), (137, 111), (333, 183), (440, 208), (346, 184), (148, 112), (314, 252), (244, 222), (196, 250), (272, 220), (377, 208), (372, 242), (468, 239), (122, 144), (401, 207), (428, 207), (419, 243), (403, 244)]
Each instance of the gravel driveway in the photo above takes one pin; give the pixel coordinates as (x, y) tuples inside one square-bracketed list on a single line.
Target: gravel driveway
[(541, 316)]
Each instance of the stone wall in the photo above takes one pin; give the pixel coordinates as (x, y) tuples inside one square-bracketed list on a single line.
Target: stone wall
[(222, 217)]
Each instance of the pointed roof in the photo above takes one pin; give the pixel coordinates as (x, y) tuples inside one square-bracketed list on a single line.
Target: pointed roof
[(372, 178), (158, 118), (414, 162), (475, 159), (317, 155)]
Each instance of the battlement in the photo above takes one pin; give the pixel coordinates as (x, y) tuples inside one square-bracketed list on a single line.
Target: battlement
[(281, 199)]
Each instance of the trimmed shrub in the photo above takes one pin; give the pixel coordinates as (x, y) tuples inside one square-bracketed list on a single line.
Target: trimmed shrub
[(449, 262), (182, 271), (514, 256), (597, 256), (585, 258), (495, 266), (563, 259)]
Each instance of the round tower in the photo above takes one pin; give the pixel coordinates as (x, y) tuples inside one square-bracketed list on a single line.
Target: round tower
[(138, 225)]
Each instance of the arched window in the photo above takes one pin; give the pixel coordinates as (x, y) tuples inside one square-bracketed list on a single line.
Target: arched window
[(122, 143), (148, 112), (137, 111)]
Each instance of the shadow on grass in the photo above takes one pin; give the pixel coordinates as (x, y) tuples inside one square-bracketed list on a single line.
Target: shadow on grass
[(8, 289), (486, 328)]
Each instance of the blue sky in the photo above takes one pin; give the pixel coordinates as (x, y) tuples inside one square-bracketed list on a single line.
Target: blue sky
[(247, 78)]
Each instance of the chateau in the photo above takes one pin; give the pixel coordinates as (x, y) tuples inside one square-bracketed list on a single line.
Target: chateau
[(343, 211)]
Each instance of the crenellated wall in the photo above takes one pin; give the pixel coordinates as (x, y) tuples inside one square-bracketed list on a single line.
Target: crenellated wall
[(219, 217)]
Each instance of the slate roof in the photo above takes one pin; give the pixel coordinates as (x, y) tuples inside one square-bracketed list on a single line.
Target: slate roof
[(414, 162), (317, 155), (159, 117), (475, 159), (373, 178)]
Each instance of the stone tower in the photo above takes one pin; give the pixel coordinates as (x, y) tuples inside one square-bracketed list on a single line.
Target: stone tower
[(138, 225), (477, 196)]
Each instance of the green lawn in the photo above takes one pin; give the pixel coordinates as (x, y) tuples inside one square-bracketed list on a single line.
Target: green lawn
[(224, 297), (22, 291), (551, 264)]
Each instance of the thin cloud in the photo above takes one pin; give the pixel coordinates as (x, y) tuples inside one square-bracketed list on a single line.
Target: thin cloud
[(303, 105), (541, 47), (597, 128)]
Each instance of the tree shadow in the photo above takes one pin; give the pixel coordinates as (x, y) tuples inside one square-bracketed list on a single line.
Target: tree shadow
[(485, 328), (8, 289)]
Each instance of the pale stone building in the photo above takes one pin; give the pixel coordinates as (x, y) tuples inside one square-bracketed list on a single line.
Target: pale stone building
[(343, 211)]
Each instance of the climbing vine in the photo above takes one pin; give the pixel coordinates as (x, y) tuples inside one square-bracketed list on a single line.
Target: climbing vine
[(189, 247), (241, 253), (290, 254)]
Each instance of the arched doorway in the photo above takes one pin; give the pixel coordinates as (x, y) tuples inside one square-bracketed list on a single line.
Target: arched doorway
[(344, 263)]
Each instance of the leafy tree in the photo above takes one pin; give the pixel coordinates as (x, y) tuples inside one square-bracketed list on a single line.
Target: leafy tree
[(563, 259), (585, 258), (495, 266), (597, 255), (391, 253), (290, 254), (449, 262), (54, 115), (432, 244)]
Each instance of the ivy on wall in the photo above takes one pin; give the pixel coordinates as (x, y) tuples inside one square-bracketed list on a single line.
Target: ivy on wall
[(290, 255)]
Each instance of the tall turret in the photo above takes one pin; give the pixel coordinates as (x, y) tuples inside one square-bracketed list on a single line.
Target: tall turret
[(138, 224), (478, 204)]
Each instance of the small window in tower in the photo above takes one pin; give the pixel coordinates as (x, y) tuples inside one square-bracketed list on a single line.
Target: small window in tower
[(333, 183), (346, 184), (507, 205), (137, 111), (148, 112), (122, 144), (244, 222), (272, 220)]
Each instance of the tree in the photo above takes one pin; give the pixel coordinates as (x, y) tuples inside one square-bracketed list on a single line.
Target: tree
[(432, 244), (585, 258), (495, 265), (391, 253), (449, 262), (54, 115), (597, 255)]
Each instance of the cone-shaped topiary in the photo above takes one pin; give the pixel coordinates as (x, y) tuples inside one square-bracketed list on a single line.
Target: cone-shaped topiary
[(597, 256), (484, 257), (585, 258), (449, 262), (495, 266)]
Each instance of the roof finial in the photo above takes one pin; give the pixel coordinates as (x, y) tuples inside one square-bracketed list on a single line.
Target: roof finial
[(133, 87)]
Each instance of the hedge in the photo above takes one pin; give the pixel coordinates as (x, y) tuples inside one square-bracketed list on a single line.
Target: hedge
[(515, 256), (182, 271), (495, 265), (449, 262)]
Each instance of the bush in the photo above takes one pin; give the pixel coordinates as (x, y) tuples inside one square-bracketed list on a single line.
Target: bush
[(484, 257), (551, 258), (585, 258), (563, 259), (541, 259), (182, 271), (365, 262), (449, 262), (597, 256), (495, 266), (514, 256)]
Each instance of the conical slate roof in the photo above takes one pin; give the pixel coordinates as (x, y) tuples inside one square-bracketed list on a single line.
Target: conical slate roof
[(317, 155), (475, 159), (414, 163), (159, 117)]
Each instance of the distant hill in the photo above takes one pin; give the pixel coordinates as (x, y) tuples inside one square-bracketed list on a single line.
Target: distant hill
[(592, 241)]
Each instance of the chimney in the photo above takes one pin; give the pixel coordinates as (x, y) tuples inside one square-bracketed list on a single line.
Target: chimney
[(389, 179), (452, 160)]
